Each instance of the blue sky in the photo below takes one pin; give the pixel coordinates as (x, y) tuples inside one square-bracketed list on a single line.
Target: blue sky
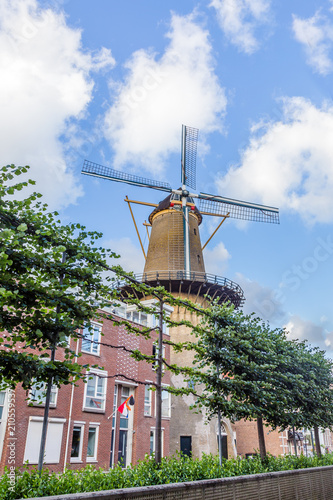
[(114, 81)]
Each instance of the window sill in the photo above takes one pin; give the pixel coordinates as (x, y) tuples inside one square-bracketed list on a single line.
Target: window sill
[(91, 460), (91, 353), (93, 410), (75, 461), (149, 416)]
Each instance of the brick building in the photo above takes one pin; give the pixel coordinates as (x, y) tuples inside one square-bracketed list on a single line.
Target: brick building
[(84, 425)]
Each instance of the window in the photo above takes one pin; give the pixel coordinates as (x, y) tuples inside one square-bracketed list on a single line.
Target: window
[(92, 443), (2, 403), (95, 391), (53, 440), (91, 338), (166, 404), (152, 441), (148, 393), (137, 317), (77, 442), (38, 394), (155, 354)]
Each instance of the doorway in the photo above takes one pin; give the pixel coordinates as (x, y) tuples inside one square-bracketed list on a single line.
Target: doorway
[(186, 445)]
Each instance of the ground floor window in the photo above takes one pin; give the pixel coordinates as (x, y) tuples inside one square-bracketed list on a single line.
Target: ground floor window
[(77, 442), (152, 441), (92, 443), (53, 440)]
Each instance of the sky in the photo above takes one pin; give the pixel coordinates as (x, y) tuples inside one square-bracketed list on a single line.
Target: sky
[(113, 82)]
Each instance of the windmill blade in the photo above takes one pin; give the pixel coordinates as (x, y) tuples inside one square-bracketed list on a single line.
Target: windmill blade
[(189, 156), (218, 205), (90, 168)]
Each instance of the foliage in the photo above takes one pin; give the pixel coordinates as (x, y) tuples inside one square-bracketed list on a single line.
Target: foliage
[(251, 371), (30, 484), (44, 297)]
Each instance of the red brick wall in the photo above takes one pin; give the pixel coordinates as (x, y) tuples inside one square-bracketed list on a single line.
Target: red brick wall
[(116, 362)]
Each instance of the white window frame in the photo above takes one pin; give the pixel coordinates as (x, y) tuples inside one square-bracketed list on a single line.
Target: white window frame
[(42, 387), (142, 319), (78, 425), (93, 425), (97, 374), (169, 405), (156, 349), (92, 345), (148, 401), (153, 432), (3, 419)]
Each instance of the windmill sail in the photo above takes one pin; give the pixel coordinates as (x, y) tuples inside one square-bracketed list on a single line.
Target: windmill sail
[(218, 205), (189, 156), (96, 170)]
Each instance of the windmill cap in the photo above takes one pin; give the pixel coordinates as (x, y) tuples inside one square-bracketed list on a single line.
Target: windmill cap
[(165, 205)]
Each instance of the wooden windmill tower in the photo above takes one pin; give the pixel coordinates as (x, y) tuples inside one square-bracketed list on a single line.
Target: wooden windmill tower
[(174, 257)]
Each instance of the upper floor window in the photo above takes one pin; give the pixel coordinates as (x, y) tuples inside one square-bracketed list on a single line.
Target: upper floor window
[(166, 404), (150, 320), (148, 398), (137, 316), (95, 391), (155, 351), (38, 394), (91, 338)]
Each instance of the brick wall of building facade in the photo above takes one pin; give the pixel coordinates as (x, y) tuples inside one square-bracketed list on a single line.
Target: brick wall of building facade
[(71, 411)]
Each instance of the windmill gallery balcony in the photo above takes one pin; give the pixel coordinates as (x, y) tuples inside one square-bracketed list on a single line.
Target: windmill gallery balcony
[(192, 283)]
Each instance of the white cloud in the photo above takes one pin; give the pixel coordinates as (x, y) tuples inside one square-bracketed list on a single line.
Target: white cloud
[(288, 163), (160, 93), (316, 35), (45, 83), (270, 305), (131, 257), (239, 20), (216, 259), (300, 329)]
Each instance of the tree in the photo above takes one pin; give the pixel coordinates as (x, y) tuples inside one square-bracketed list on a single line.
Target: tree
[(251, 371), (44, 298)]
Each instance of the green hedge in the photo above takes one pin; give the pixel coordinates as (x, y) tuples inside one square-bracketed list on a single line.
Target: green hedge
[(172, 470)]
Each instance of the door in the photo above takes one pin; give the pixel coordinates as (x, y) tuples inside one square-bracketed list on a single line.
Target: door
[(122, 447), (186, 445)]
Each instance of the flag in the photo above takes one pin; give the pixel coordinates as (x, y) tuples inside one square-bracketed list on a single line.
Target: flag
[(124, 408)]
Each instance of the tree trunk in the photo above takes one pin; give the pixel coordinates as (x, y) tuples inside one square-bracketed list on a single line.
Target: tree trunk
[(317, 441), (261, 438)]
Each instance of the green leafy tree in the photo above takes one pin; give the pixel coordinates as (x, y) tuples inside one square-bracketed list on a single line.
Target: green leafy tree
[(52, 282), (251, 371)]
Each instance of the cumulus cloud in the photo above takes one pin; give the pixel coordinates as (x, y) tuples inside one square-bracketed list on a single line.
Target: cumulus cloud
[(288, 163), (45, 83), (316, 35), (131, 257), (300, 329), (216, 259), (159, 93), (239, 20), (271, 305)]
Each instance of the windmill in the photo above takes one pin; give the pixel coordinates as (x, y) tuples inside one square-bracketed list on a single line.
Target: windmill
[(179, 206)]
